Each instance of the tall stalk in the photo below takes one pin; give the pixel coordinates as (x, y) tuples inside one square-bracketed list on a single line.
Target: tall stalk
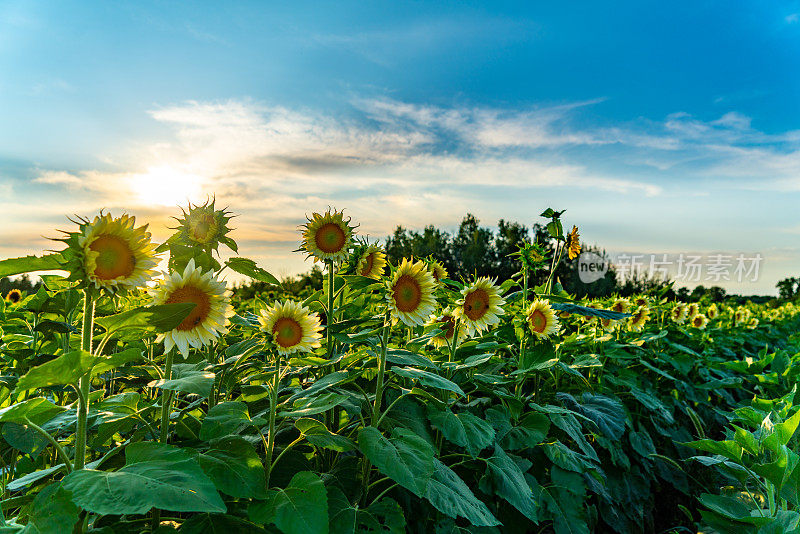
[(273, 408), (376, 405), (85, 381), (166, 398)]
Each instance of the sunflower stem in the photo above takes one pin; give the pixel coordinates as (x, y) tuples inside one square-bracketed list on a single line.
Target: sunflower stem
[(166, 398), (59, 449), (273, 409), (376, 407), (85, 381)]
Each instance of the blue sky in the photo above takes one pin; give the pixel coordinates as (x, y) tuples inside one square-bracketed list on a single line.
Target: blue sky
[(661, 127)]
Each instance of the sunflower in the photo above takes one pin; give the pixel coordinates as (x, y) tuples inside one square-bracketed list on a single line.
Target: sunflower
[(621, 305), (692, 310), (116, 255), (293, 327), (742, 315), (678, 313), (541, 319), (573, 243), (449, 327), (14, 296), (327, 237), (699, 321), (210, 315), (410, 293), (641, 301), (752, 323), (712, 312), (438, 271), (372, 263), (608, 324), (480, 306), (206, 226), (639, 318)]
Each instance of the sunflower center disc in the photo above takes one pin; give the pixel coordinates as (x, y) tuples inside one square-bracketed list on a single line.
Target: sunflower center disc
[(538, 321), (330, 238), (407, 294), (204, 228), (476, 304), (114, 259), (200, 311), (287, 332), (369, 260)]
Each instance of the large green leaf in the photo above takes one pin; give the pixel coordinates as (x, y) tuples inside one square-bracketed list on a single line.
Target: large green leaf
[(300, 508), (406, 458), (66, 369), (235, 468), (218, 524), (606, 412), (154, 476), (314, 405), (428, 379), (382, 517), (27, 264), (249, 268), (319, 435), (160, 318), (188, 378), (509, 483), (51, 511), (451, 496), (37, 410), (464, 429), (783, 432), (225, 419)]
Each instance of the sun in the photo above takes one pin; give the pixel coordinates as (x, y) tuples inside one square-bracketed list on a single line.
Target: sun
[(165, 186)]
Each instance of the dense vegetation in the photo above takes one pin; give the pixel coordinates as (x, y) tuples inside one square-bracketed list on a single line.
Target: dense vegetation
[(636, 414)]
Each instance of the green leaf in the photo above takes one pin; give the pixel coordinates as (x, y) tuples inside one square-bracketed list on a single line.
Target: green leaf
[(225, 419), (510, 484), (406, 458), (314, 405), (156, 319), (51, 511), (217, 524), (404, 357), (104, 364), (428, 379), (728, 449), (300, 508), (384, 516), (606, 412), (783, 432), (451, 495), (154, 476), (235, 468), (37, 409), (249, 268), (319, 435), (66, 369), (27, 264), (463, 429), (188, 378)]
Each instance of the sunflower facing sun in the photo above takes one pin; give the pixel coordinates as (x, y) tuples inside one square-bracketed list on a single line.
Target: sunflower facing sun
[(541, 319), (115, 254), (480, 306), (372, 263), (209, 317), (294, 328), (327, 237), (679, 313), (410, 293), (699, 321)]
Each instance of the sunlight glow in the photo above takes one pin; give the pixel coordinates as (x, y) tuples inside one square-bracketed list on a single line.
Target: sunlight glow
[(164, 186)]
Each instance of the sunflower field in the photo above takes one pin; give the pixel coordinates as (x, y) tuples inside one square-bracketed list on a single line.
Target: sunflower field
[(394, 399)]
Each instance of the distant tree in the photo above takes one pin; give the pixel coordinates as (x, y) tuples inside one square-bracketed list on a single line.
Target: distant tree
[(682, 294), (23, 283), (473, 248), (788, 288), (697, 293), (510, 235), (716, 294)]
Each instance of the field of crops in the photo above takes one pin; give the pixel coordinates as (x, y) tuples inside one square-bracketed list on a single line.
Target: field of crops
[(394, 399)]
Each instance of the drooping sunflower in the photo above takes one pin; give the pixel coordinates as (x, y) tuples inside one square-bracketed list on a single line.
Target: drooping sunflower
[(573, 243), (372, 263), (692, 309), (438, 271), (480, 305), (209, 317), (699, 321), (678, 313), (446, 337), (293, 327), (541, 319), (639, 318), (621, 305), (410, 293), (608, 324), (327, 237), (14, 296), (712, 312), (116, 254)]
